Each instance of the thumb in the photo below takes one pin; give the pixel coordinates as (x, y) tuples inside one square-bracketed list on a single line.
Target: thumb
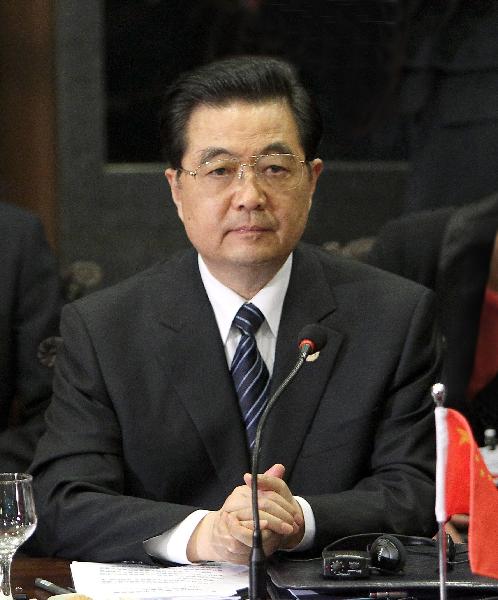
[(277, 470)]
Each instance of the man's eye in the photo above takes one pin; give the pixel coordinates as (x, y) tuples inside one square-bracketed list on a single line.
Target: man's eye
[(275, 170), (220, 171)]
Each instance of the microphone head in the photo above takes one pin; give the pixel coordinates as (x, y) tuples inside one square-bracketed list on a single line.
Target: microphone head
[(314, 336)]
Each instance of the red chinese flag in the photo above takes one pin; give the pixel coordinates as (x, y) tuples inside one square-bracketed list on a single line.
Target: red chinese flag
[(464, 485)]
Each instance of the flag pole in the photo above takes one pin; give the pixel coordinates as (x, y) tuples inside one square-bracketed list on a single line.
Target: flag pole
[(442, 561), (438, 393)]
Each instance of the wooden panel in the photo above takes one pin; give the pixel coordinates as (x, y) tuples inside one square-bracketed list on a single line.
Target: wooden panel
[(27, 109)]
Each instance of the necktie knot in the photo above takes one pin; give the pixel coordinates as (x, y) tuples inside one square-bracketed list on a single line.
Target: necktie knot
[(248, 319)]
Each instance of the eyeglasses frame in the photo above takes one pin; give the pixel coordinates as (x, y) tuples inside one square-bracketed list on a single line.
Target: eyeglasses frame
[(247, 164)]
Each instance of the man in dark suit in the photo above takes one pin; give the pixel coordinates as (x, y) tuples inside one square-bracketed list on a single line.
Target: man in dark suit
[(30, 302), (147, 447), (454, 251)]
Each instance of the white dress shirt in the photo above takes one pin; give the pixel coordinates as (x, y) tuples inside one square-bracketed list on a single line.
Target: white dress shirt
[(172, 544)]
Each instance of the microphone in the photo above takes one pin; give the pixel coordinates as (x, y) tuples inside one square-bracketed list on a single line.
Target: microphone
[(311, 339)]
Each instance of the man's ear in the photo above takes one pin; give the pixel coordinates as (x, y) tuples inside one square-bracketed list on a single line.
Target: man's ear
[(176, 190), (316, 167)]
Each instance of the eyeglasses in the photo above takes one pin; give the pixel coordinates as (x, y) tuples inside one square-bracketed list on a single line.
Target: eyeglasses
[(279, 172)]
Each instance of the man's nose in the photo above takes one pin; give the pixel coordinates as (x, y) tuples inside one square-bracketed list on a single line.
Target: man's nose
[(248, 191)]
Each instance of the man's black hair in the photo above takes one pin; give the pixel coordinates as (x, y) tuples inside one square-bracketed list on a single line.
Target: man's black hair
[(246, 78)]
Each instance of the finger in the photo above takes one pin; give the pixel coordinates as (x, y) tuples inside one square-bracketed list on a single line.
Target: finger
[(244, 536), (271, 540), (286, 509), (281, 496), (278, 525), (267, 521), (281, 523), (278, 490), (243, 514), (230, 548), (276, 470), (239, 499), (263, 524), (271, 543), (269, 483), (271, 504), (275, 505)]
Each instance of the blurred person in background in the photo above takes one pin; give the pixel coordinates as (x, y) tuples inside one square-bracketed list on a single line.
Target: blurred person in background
[(454, 251), (30, 302)]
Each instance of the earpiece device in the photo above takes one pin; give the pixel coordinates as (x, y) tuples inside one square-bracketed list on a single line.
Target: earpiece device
[(388, 554), (360, 556)]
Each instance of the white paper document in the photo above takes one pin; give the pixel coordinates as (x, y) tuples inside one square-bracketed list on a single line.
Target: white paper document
[(103, 581)]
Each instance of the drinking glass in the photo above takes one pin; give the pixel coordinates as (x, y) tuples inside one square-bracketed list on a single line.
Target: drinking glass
[(17, 521)]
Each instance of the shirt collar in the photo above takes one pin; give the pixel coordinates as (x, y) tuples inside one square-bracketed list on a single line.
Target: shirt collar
[(226, 302)]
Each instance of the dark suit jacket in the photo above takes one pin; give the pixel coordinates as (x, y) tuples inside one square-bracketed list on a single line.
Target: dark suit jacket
[(449, 251), (30, 301), (145, 427)]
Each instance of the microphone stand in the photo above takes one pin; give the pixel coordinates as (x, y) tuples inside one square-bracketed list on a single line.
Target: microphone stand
[(257, 564)]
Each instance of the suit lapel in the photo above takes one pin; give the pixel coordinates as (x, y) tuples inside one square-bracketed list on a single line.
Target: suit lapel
[(193, 358), (309, 299), (191, 353)]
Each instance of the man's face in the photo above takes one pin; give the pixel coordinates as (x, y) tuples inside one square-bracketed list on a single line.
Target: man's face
[(247, 225)]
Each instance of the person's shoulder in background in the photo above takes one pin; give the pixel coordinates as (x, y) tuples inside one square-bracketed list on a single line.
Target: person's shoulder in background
[(30, 304), (410, 245), (14, 218)]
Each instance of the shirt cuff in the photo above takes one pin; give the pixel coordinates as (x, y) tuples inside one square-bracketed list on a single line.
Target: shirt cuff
[(172, 544), (309, 526)]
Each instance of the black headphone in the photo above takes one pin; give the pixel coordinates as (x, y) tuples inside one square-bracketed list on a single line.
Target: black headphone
[(358, 556)]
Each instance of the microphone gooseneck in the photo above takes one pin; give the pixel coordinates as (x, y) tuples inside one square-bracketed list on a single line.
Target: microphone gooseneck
[(311, 339)]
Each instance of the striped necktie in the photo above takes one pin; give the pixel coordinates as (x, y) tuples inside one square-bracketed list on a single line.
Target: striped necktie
[(249, 372)]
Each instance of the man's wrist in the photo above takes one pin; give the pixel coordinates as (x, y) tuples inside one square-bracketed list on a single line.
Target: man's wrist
[(171, 545), (199, 546), (307, 531), (294, 539)]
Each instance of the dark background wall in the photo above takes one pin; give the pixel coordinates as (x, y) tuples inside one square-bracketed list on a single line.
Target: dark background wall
[(101, 203)]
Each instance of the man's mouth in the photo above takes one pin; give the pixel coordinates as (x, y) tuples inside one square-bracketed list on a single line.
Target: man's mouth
[(250, 229)]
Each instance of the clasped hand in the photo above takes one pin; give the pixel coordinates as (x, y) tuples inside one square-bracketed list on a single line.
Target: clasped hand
[(226, 534)]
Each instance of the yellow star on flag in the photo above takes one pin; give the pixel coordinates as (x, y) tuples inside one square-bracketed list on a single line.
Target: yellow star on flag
[(464, 436)]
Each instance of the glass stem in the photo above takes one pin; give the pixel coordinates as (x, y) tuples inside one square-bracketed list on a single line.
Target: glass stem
[(6, 561)]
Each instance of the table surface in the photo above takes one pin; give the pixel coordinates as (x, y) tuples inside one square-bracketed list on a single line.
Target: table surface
[(26, 568), (57, 570)]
